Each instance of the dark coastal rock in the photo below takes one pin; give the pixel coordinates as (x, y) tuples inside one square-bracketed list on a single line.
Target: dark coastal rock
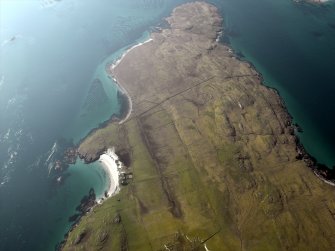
[(297, 128), (64, 155), (87, 202), (70, 155), (74, 217), (89, 158), (325, 172)]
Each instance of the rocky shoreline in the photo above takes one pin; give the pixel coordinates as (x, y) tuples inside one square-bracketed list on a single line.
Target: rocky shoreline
[(85, 206), (323, 172)]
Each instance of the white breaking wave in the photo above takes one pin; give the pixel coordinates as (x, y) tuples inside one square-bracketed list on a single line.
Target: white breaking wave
[(52, 151), (219, 36), (6, 136), (127, 51), (109, 163), (50, 166), (4, 181), (12, 156)]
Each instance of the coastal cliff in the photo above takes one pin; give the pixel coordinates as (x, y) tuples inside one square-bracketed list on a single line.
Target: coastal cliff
[(213, 154)]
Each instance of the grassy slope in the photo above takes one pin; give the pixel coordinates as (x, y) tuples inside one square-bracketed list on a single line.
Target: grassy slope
[(211, 153)]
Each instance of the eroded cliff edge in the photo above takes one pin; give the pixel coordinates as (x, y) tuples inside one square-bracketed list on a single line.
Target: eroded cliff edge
[(212, 153)]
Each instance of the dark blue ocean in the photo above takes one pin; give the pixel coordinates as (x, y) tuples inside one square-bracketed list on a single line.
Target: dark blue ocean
[(54, 90)]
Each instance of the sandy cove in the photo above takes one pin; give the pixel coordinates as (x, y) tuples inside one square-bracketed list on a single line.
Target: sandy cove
[(109, 161)]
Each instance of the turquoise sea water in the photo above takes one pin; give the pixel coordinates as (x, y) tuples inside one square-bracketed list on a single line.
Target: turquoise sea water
[(53, 86)]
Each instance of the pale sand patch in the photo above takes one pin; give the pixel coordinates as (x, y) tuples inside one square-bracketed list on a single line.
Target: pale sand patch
[(109, 163)]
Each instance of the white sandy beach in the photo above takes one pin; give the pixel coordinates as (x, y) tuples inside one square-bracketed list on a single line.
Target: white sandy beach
[(108, 161), (127, 51)]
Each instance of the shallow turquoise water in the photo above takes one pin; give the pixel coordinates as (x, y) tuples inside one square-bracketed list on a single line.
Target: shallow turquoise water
[(67, 198), (100, 105)]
